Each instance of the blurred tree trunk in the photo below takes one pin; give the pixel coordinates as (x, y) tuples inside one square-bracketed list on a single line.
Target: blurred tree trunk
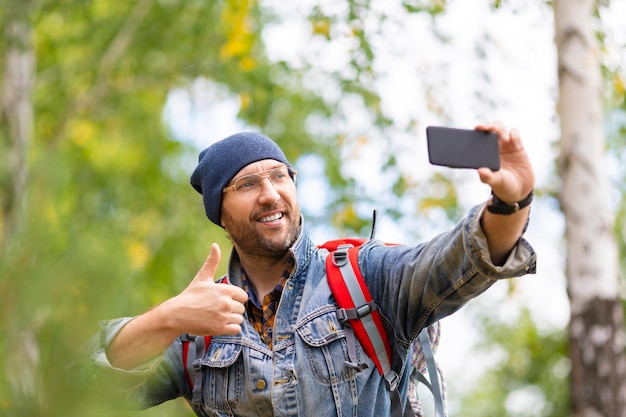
[(596, 332), (16, 124), (16, 112)]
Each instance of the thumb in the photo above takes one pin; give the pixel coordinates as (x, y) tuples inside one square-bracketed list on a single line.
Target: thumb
[(487, 176), (207, 272)]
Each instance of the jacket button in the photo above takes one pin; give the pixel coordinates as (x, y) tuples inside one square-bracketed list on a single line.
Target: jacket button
[(260, 384)]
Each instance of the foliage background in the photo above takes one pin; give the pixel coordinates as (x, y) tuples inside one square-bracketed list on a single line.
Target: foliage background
[(109, 225)]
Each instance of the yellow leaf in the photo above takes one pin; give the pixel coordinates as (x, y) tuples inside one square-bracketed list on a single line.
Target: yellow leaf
[(51, 215), (138, 253), (245, 100), (618, 83), (239, 37), (322, 27), (82, 132), (346, 216), (247, 64)]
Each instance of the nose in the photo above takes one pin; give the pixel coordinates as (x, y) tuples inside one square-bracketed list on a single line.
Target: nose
[(268, 193)]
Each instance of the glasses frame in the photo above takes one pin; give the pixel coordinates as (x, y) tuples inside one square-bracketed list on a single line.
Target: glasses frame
[(292, 174)]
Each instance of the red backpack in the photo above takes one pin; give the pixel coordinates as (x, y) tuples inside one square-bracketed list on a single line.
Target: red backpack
[(361, 319)]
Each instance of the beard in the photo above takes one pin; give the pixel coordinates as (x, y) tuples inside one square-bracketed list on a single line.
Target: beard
[(250, 241)]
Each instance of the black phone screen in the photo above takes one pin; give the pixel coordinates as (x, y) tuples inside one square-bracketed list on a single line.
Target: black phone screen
[(462, 148)]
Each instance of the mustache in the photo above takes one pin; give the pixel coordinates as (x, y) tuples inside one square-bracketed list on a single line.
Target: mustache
[(262, 211)]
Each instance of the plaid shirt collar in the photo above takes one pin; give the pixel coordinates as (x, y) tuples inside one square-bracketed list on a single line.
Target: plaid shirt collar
[(261, 313)]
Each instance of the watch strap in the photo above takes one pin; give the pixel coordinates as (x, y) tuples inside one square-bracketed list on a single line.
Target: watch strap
[(498, 206)]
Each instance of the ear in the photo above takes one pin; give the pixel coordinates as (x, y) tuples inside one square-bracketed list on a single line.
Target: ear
[(224, 224), (223, 215)]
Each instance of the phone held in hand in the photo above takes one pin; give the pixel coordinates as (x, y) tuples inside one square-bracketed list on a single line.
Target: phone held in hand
[(462, 148)]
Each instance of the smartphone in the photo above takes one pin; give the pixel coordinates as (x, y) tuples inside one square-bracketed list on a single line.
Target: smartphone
[(462, 148)]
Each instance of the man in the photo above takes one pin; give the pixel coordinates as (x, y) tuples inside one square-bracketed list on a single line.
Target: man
[(278, 348)]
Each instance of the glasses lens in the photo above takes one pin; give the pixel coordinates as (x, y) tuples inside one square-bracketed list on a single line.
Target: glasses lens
[(279, 176), (249, 185)]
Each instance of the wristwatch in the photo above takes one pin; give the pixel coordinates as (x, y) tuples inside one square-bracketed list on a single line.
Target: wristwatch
[(498, 206)]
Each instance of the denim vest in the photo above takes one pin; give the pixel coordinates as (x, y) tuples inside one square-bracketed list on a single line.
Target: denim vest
[(305, 374)]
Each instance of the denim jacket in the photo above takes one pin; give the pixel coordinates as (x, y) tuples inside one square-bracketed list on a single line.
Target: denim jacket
[(305, 374)]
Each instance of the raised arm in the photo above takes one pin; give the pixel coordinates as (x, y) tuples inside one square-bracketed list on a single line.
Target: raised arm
[(203, 308), (511, 184)]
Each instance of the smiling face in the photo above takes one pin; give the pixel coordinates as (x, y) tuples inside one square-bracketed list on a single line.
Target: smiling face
[(267, 222)]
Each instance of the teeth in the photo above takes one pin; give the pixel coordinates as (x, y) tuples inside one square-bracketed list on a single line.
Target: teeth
[(271, 218)]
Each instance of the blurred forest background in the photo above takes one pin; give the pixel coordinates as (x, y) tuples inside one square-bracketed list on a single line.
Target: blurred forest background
[(102, 119)]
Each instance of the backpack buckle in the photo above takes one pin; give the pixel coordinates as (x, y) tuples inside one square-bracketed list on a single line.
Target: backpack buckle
[(342, 315), (365, 309), (392, 379), (340, 256), (356, 313)]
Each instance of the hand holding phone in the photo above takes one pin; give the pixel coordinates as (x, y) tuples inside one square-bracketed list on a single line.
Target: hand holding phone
[(462, 148)]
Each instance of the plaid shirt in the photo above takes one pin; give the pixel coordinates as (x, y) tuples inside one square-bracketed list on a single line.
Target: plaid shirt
[(261, 315)]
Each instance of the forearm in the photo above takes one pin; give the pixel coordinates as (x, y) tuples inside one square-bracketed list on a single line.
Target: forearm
[(512, 184), (503, 232), (143, 338), (434, 279), (203, 308)]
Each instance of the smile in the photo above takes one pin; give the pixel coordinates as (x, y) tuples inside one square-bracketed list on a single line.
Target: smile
[(273, 217)]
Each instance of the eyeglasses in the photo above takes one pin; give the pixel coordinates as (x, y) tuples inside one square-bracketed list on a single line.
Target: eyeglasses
[(250, 185)]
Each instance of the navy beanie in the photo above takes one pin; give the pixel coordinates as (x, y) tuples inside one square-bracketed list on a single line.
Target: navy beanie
[(220, 162)]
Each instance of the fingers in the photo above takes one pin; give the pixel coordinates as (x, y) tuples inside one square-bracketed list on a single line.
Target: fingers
[(509, 141), (224, 316), (206, 275), (515, 178), (235, 306), (496, 127), (230, 323), (486, 175), (207, 272), (233, 296), (238, 294), (206, 307), (515, 140), (231, 330)]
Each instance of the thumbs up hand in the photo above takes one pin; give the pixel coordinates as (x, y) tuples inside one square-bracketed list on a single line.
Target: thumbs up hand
[(205, 307)]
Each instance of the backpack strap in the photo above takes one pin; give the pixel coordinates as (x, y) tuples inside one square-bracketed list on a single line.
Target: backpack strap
[(358, 309), (194, 348), (434, 385), (360, 314)]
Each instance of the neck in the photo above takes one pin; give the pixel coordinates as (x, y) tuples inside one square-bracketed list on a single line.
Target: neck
[(264, 273)]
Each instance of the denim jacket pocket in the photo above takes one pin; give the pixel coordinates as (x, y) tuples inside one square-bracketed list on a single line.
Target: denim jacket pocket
[(223, 374), (325, 347)]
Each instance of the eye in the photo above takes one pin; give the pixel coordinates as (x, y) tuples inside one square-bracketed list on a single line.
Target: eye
[(279, 175), (247, 183)]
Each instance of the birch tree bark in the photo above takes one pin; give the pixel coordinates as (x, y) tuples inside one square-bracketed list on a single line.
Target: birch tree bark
[(16, 112), (16, 128), (596, 332)]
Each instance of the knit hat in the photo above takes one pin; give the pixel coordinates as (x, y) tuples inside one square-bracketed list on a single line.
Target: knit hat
[(220, 162)]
